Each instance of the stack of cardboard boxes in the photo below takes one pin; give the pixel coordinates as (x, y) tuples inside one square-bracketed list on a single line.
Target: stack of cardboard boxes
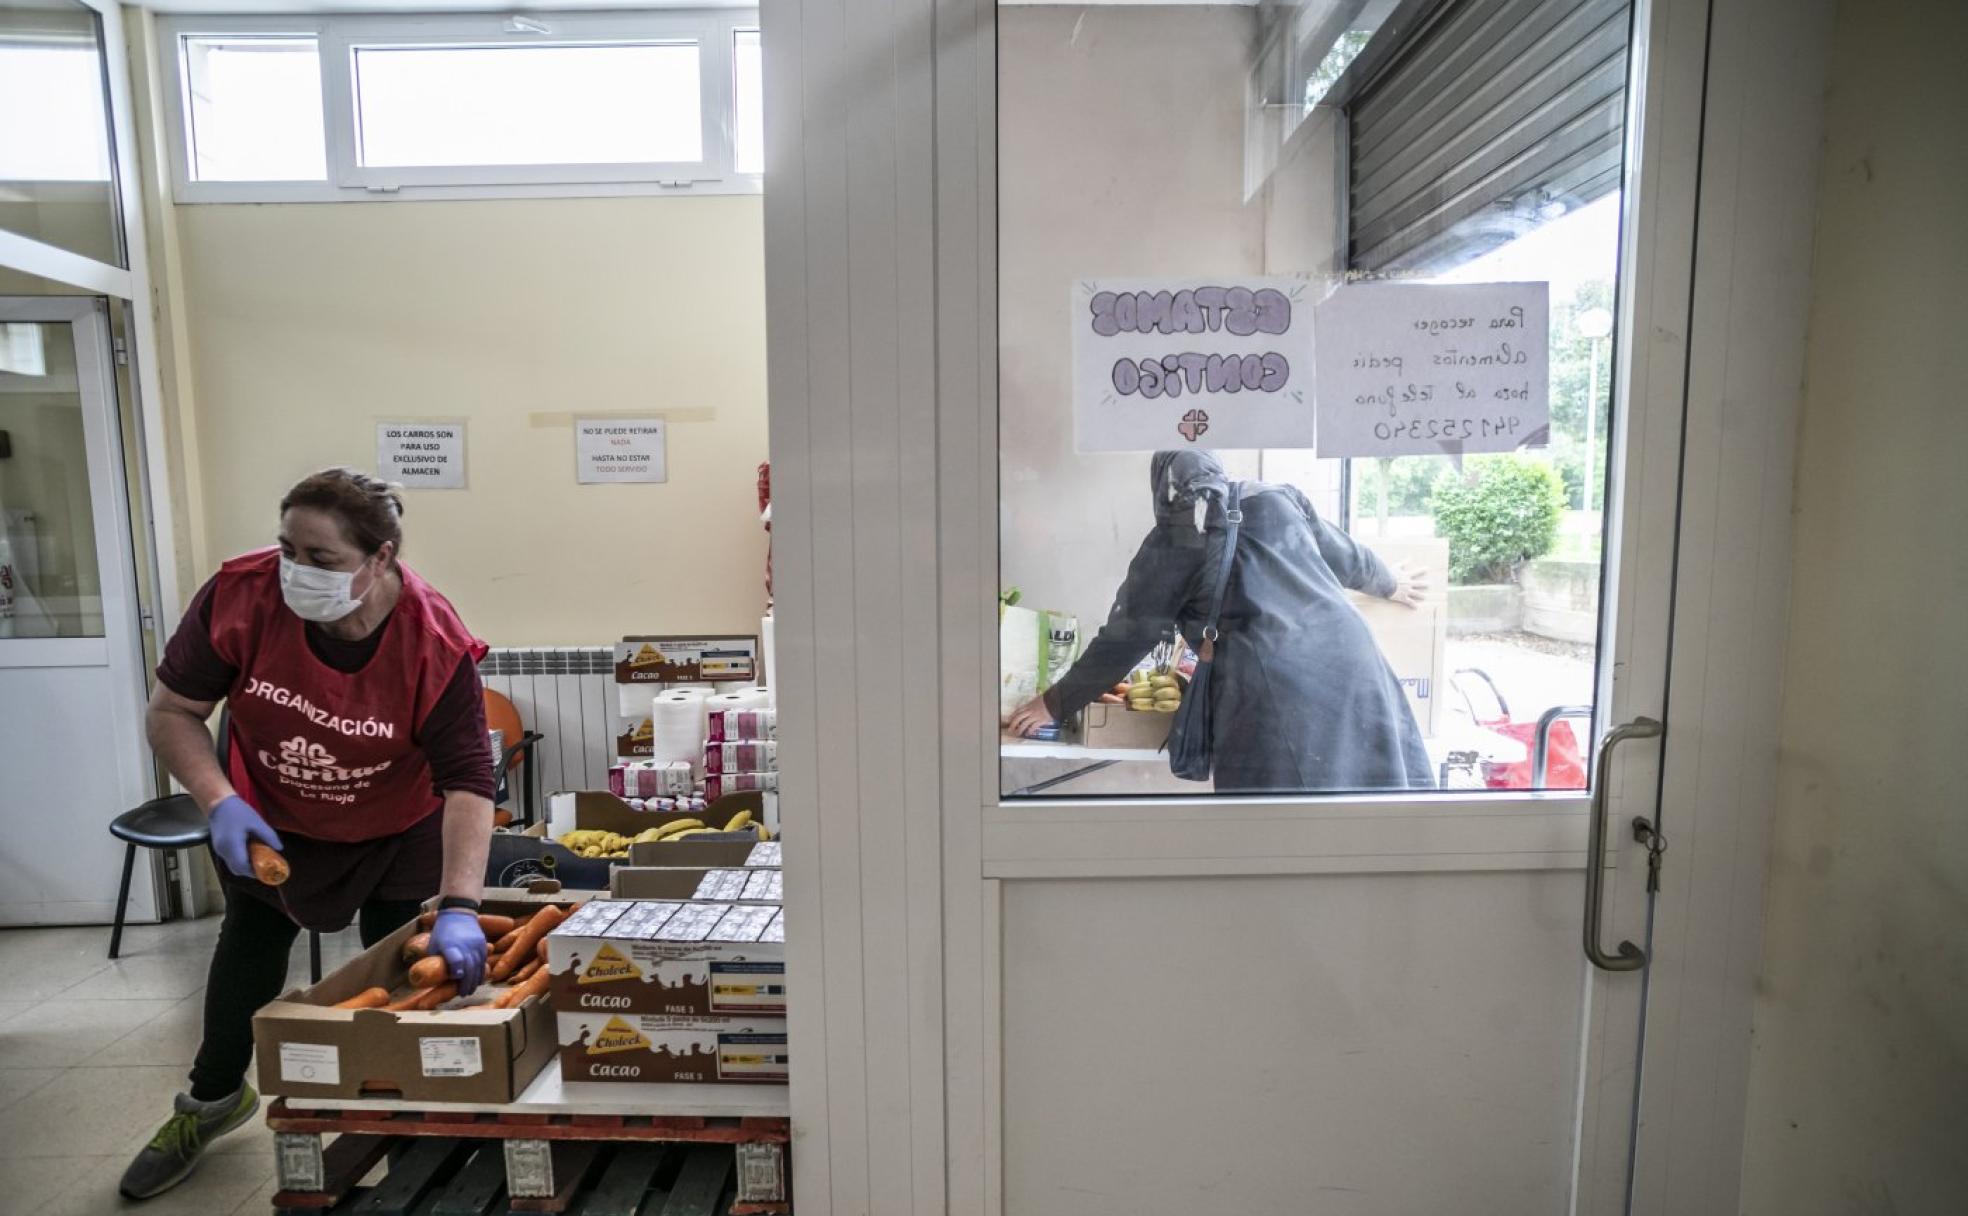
[(684, 983)]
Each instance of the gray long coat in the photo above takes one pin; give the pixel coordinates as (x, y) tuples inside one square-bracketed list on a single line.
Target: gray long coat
[(1303, 698)]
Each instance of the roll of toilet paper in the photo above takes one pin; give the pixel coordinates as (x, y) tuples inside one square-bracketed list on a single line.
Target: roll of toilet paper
[(678, 719), (747, 698)]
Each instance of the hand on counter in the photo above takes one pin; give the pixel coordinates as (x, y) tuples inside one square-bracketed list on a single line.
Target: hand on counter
[(1028, 718)]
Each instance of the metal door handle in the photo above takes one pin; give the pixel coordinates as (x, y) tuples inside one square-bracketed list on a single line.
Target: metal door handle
[(1630, 956)]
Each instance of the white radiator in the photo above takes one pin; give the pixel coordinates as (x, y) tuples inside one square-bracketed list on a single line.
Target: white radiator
[(567, 693)]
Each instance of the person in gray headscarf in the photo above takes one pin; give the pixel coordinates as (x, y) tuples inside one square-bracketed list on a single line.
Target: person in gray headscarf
[(1303, 698)]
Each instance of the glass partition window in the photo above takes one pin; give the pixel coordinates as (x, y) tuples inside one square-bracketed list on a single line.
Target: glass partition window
[(1398, 391), (350, 107), (56, 181), (253, 109), (50, 586), (748, 102), (528, 105)]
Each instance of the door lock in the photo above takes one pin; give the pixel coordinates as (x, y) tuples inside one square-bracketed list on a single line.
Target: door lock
[(1644, 832)]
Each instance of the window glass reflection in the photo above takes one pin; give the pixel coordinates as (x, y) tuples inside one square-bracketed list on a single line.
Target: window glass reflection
[(56, 180)]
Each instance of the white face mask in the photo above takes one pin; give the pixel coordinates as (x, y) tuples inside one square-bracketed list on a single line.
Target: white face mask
[(315, 594)]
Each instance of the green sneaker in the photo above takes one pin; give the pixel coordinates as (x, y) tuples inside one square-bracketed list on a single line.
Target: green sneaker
[(173, 1152)]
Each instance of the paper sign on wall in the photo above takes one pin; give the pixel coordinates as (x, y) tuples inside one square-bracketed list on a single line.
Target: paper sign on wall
[(1207, 363), (619, 449), (1411, 369), (422, 455)]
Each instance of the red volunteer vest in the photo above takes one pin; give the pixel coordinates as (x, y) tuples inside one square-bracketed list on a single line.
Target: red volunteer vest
[(328, 755)]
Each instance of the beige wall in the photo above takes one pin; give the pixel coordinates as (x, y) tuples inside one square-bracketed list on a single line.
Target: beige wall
[(308, 324), (1859, 1088), (1121, 153)]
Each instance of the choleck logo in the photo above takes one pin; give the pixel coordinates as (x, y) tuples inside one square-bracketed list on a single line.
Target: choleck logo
[(610, 964), (617, 1036)]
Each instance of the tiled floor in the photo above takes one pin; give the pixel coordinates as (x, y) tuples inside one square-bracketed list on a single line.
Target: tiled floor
[(91, 1052)]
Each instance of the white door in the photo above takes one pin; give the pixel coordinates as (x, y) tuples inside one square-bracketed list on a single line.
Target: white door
[(1106, 994), (1318, 997), (71, 666)]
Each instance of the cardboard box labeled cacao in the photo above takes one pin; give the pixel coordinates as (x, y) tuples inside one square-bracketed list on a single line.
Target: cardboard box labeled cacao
[(686, 658), (671, 957), (306, 1048), (637, 741), (654, 1047)]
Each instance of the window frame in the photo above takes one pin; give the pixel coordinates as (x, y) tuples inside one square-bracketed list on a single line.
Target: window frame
[(337, 38)]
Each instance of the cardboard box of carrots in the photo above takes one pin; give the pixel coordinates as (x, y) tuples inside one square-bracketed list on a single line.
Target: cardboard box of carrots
[(389, 1023)]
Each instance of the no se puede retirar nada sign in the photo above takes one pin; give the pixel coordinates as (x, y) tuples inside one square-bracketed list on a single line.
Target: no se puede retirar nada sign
[(615, 450)]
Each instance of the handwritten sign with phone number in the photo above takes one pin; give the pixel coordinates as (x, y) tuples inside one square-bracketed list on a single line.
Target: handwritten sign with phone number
[(1415, 369)]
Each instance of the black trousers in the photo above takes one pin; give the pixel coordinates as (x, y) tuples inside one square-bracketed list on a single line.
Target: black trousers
[(249, 968)]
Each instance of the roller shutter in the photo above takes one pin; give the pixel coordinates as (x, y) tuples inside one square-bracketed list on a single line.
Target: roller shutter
[(1496, 111)]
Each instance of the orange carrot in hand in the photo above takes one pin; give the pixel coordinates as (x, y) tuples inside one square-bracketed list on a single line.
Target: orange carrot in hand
[(429, 972), (268, 866), (417, 947), (490, 924), (368, 998)]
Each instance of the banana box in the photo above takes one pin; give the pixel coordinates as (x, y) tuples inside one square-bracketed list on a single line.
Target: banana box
[(655, 1047), (676, 958)]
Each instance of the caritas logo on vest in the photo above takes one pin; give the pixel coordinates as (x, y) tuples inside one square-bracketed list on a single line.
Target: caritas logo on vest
[(308, 763)]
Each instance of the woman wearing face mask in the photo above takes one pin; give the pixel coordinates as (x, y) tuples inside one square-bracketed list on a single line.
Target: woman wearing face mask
[(357, 749)]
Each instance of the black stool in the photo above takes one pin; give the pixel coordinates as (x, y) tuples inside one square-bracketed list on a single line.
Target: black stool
[(170, 824), (162, 823)]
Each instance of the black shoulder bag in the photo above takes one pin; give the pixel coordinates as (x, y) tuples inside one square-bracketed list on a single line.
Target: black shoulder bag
[(1192, 753)]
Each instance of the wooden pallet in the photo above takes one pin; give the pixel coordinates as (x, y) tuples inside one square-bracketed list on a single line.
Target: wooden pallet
[(536, 1162), (451, 1176)]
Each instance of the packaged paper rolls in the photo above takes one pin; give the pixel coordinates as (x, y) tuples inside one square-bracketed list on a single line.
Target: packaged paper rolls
[(751, 757), (742, 726), (678, 718)]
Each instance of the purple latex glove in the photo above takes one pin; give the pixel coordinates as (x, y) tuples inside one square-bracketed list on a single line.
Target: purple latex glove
[(233, 824), (458, 939)]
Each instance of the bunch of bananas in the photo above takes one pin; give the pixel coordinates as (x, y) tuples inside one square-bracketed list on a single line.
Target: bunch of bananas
[(683, 829), (1154, 692), (590, 842)]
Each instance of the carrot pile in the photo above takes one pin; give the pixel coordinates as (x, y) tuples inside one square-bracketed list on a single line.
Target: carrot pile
[(515, 964)]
